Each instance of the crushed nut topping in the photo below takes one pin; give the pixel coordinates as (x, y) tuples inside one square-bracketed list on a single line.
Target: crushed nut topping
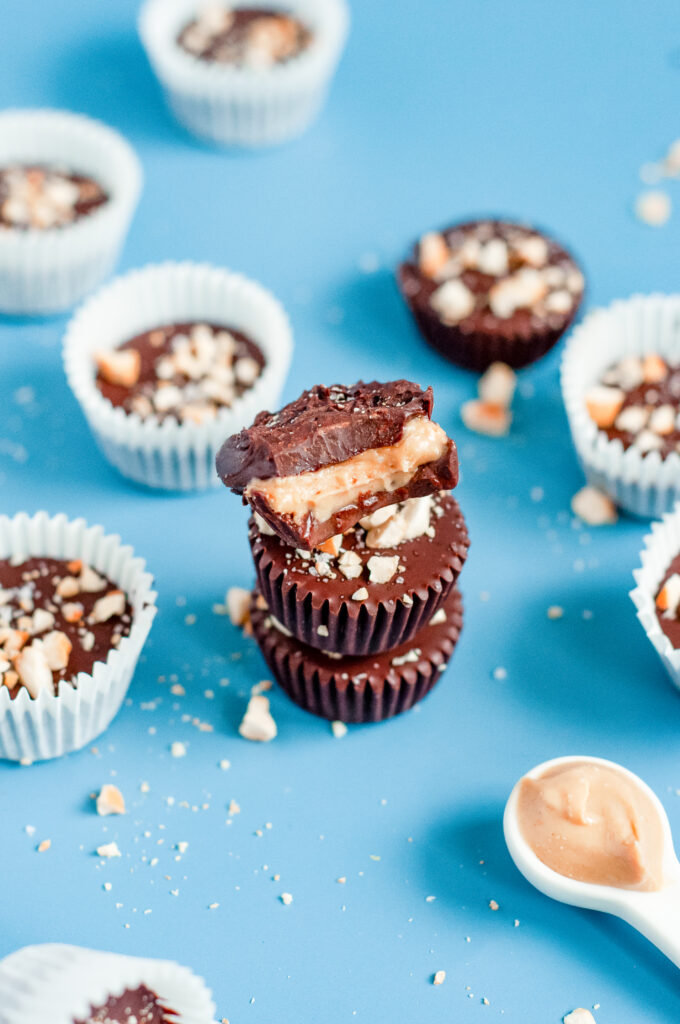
[(185, 371), (44, 197), (244, 37), (53, 624), (637, 402), (497, 268)]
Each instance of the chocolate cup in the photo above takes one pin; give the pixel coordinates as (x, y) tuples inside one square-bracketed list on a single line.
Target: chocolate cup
[(477, 350), (354, 690), (305, 604)]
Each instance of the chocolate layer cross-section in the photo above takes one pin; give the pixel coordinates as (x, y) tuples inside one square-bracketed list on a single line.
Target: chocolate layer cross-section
[(133, 1006), (336, 455)]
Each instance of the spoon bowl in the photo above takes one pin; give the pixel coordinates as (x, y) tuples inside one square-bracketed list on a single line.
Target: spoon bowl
[(656, 914)]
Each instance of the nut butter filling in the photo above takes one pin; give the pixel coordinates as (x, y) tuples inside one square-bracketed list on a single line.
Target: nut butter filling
[(592, 823), (324, 492)]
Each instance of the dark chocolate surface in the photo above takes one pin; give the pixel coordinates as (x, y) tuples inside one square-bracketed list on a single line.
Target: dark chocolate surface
[(360, 689), (134, 1006), (671, 627), (321, 427), (309, 594), (665, 392), (234, 43), (155, 344), (33, 582), (32, 194), (482, 337)]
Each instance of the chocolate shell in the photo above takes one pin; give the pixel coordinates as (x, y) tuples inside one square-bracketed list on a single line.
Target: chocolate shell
[(320, 611), (366, 689)]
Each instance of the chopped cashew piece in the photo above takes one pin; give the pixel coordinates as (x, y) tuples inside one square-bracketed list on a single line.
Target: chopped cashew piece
[(57, 649), (258, 724), (238, 605), (34, 670), (106, 607), (108, 850), (497, 385), (433, 253), (121, 366), (350, 565), (594, 507), (485, 417), (110, 801), (604, 404), (439, 978), (381, 568), (453, 301)]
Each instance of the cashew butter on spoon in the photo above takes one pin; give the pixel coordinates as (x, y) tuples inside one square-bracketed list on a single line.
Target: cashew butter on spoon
[(589, 832)]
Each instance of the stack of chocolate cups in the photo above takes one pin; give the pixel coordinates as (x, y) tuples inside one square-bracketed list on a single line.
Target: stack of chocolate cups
[(357, 545)]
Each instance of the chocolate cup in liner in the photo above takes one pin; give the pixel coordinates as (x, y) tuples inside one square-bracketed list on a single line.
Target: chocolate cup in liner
[(321, 613), (59, 984), (167, 454), (48, 271), (644, 485), (54, 724), (245, 107), (661, 549), (477, 350), (366, 689)]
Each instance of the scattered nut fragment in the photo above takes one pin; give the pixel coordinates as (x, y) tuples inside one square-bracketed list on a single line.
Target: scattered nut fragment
[(439, 978), (493, 905), (122, 366), (497, 385), (555, 611), (286, 899), (485, 417), (44, 846), (238, 605), (579, 1016), (381, 568), (178, 749), (339, 729), (258, 724), (108, 850), (604, 404), (594, 507), (110, 801), (653, 207)]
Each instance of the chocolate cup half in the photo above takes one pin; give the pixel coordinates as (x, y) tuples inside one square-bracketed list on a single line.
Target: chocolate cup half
[(320, 611), (365, 689)]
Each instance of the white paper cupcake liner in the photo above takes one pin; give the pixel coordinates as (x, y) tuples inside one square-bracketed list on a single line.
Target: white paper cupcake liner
[(644, 485), (57, 984), (168, 454), (48, 271), (662, 545), (237, 106), (49, 726)]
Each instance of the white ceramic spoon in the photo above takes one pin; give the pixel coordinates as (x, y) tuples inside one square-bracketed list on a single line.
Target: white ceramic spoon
[(655, 914)]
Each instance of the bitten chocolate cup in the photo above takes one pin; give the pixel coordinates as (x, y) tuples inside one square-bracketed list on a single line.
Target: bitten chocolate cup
[(365, 689), (491, 291), (365, 599)]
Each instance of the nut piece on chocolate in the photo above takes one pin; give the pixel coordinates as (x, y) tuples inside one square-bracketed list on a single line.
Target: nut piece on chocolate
[(337, 454)]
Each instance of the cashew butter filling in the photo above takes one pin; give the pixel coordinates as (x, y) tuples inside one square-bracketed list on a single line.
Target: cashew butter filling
[(594, 824)]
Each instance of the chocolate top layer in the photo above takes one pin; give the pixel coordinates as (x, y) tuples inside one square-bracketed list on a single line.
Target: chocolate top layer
[(248, 37), (185, 371), (135, 1006), (648, 414), (493, 277), (43, 596), (322, 427), (35, 196)]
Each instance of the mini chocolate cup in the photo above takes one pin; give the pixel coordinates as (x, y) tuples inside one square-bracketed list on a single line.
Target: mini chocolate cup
[(321, 613), (477, 350), (368, 689)]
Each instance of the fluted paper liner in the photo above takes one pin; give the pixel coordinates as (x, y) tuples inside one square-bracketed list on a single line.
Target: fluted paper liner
[(48, 271), (661, 546), (57, 984), (241, 106), (354, 690), (51, 725), (644, 485), (168, 454)]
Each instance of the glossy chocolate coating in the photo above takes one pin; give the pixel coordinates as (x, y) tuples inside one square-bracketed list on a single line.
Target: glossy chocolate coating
[(319, 609), (320, 428), (37, 574), (152, 347), (363, 689), (482, 338), (664, 392), (134, 1006), (93, 195)]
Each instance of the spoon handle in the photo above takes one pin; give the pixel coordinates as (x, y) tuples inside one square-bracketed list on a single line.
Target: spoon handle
[(657, 917)]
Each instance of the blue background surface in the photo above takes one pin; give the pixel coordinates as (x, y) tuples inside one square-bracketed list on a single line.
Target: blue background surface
[(440, 110)]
